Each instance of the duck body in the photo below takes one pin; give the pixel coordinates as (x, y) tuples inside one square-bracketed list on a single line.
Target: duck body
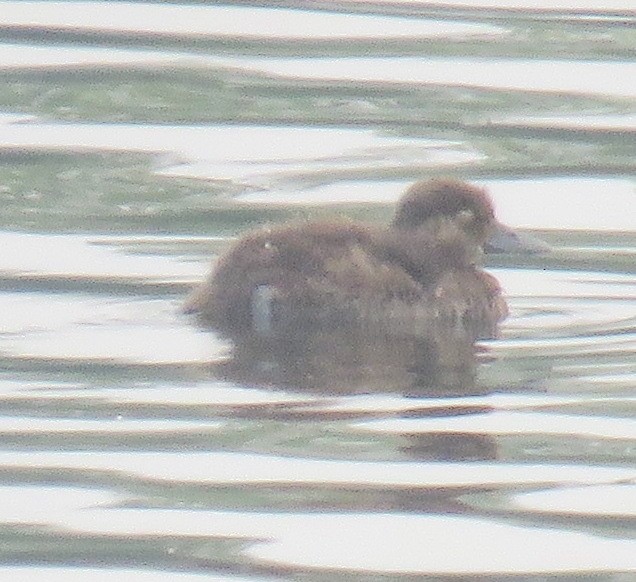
[(418, 274)]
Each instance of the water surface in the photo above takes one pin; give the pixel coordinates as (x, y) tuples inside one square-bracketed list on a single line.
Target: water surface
[(137, 140)]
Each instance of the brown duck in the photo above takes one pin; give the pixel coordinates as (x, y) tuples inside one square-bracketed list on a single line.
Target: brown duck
[(419, 273)]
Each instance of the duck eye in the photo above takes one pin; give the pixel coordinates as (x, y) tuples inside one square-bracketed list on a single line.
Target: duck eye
[(466, 216)]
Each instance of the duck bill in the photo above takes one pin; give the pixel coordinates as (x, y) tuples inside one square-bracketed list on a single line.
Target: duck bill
[(506, 240)]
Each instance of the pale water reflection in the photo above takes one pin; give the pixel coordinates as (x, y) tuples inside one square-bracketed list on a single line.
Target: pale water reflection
[(250, 469), (87, 257), (351, 542), (240, 22), (550, 5), (604, 500), (32, 504), (576, 77), (78, 574), (248, 156), (333, 541), (50, 426), (516, 423), (19, 57)]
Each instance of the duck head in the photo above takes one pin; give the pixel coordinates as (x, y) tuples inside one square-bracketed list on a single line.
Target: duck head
[(445, 205)]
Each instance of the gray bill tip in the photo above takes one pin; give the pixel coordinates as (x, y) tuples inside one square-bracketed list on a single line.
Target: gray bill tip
[(506, 240)]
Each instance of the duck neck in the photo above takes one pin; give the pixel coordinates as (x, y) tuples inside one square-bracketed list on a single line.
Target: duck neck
[(426, 254)]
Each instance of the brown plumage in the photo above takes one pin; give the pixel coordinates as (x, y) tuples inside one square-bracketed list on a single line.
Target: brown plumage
[(418, 273)]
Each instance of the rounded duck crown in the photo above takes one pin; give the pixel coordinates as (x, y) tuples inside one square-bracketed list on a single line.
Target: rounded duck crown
[(435, 203)]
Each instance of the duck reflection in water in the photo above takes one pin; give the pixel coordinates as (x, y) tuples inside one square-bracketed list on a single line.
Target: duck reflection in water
[(348, 299)]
